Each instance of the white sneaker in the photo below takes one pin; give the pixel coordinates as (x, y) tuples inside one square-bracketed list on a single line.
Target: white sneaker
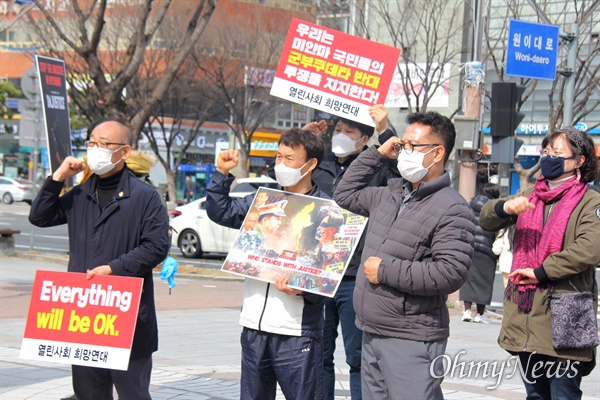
[(466, 317), (481, 319)]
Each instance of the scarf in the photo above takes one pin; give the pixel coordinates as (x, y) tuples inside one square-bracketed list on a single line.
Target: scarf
[(536, 240)]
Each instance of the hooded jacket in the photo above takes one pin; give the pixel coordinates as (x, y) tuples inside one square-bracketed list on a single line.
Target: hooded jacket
[(265, 308), (130, 235), (425, 241)]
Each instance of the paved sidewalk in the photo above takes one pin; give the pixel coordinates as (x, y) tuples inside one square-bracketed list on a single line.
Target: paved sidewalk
[(199, 352)]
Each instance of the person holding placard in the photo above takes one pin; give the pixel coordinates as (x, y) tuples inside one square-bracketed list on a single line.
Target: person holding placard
[(117, 225), (282, 338)]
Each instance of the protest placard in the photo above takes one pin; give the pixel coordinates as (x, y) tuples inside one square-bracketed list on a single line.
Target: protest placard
[(332, 71), (307, 240), (53, 88), (73, 320)]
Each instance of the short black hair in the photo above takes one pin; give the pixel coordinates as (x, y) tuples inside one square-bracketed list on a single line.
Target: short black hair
[(365, 130), (491, 191), (312, 144), (440, 126)]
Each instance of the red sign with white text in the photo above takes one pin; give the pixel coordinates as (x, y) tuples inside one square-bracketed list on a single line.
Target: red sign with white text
[(73, 320), (333, 71)]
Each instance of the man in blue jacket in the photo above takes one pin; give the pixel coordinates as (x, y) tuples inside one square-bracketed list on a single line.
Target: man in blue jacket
[(117, 225), (283, 327)]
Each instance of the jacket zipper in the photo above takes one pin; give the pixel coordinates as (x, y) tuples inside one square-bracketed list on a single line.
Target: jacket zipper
[(264, 307)]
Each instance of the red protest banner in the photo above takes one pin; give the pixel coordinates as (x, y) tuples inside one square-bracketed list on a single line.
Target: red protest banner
[(73, 320), (333, 71)]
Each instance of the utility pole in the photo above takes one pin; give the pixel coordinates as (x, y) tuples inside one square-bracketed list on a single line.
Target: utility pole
[(469, 123), (31, 89), (569, 93)]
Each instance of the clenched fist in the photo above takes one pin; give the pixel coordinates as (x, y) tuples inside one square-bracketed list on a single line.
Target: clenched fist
[(380, 115), (70, 167), (318, 128), (517, 205), (227, 160)]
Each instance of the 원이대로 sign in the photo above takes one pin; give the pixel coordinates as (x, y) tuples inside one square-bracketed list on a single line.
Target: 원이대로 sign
[(73, 320), (333, 71), (532, 50)]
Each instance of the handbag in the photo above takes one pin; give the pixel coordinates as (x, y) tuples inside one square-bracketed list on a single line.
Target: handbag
[(574, 323)]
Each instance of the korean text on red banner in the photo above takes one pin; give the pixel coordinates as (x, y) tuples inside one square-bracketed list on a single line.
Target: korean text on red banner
[(333, 71)]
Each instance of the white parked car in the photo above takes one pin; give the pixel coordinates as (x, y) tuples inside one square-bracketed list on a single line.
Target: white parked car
[(15, 189), (195, 234)]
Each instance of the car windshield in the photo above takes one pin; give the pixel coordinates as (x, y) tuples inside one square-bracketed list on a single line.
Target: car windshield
[(23, 181)]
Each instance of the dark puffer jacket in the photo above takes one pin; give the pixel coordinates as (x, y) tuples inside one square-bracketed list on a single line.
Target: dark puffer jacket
[(425, 241), (484, 240)]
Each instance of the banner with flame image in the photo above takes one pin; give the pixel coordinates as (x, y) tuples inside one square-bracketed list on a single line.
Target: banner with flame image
[(307, 240)]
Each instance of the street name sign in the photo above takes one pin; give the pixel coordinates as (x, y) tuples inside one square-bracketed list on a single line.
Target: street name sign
[(532, 50)]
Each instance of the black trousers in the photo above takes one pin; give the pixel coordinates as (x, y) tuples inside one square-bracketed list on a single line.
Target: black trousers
[(92, 383), (295, 362)]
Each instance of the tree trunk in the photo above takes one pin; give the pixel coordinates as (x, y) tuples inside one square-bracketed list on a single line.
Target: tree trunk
[(171, 185)]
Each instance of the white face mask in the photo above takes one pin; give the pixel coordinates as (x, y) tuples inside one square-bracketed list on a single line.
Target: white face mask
[(342, 145), (287, 176), (411, 165), (100, 160)]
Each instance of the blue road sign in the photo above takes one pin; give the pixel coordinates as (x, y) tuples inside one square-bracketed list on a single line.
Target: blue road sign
[(532, 50)]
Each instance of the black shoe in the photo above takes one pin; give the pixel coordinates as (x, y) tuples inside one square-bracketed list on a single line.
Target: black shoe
[(71, 397)]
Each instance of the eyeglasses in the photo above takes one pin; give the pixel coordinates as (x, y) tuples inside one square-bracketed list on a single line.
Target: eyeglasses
[(546, 153), (103, 145), (409, 147)]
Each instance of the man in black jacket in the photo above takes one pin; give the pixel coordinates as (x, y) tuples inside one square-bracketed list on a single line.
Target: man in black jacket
[(348, 141), (117, 225)]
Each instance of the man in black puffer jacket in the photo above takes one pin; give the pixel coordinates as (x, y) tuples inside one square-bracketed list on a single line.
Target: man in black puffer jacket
[(418, 250)]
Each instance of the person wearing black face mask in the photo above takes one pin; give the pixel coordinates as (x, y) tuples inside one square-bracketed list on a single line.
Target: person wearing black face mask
[(555, 250), (553, 166)]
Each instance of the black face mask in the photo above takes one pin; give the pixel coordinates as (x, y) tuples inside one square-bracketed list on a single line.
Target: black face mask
[(553, 167)]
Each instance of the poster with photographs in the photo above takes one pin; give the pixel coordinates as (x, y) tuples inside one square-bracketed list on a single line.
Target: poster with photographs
[(307, 240)]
